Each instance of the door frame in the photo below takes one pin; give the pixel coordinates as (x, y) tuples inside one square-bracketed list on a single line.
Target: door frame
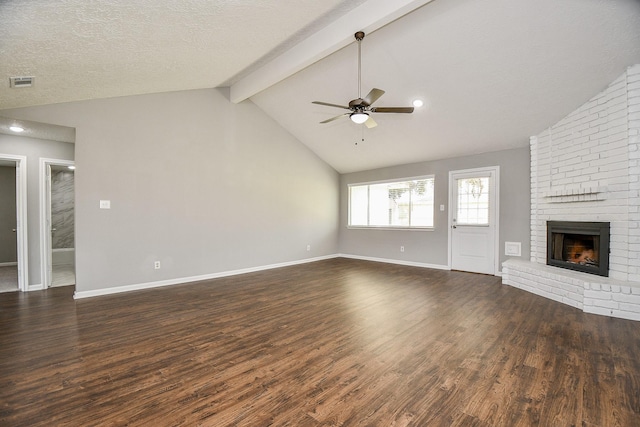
[(494, 206), (22, 241), (45, 216)]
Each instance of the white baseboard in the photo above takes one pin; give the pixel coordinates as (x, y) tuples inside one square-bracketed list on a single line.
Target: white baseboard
[(8, 264), (182, 280), (36, 287), (396, 261)]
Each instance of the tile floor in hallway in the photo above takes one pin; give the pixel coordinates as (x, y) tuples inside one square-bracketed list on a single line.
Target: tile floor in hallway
[(62, 275)]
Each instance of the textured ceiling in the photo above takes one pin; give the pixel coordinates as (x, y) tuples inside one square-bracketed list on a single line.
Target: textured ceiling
[(79, 49), (492, 72)]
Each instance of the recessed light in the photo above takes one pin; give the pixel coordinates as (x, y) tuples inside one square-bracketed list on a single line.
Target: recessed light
[(16, 128), (71, 167), (418, 103)]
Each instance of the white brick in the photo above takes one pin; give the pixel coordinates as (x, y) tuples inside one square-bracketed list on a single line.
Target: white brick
[(598, 310), (597, 295), (627, 315), (606, 304)]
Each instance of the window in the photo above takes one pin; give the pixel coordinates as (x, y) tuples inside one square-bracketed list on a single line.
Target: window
[(473, 201), (400, 204)]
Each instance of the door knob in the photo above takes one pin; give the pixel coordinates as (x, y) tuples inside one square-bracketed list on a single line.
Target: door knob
[(14, 230)]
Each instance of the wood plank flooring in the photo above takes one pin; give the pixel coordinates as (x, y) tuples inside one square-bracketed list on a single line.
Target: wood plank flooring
[(332, 343)]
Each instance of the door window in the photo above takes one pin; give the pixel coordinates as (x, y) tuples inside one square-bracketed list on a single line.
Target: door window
[(473, 201)]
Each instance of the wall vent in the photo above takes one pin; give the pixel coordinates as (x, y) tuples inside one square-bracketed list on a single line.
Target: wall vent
[(21, 81)]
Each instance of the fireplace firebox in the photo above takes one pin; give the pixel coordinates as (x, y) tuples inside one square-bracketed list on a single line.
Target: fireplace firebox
[(580, 246)]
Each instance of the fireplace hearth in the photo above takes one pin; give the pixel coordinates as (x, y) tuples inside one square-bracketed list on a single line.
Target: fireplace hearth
[(579, 246)]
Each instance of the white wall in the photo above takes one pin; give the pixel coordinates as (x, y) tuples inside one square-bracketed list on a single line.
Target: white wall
[(200, 184)]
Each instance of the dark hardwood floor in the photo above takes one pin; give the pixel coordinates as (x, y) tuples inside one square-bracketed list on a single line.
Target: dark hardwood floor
[(332, 343)]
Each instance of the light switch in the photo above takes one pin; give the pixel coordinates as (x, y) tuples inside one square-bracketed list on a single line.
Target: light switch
[(105, 204), (441, 208)]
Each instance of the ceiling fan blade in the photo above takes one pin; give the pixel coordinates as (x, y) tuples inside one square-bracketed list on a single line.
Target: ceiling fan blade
[(330, 105), (334, 118), (370, 123), (373, 96), (392, 109)]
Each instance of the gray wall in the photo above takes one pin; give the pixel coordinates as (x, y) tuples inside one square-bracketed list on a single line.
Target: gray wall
[(62, 212), (33, 149), (8, 248), (430, 247), (196, 182)]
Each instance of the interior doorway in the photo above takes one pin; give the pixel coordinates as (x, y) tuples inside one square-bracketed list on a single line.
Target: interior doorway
[(13, 220), (58, 222), (473, 220)]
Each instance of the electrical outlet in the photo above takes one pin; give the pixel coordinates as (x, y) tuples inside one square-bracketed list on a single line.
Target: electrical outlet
[(401, 248), (156, 265), (308, 247)]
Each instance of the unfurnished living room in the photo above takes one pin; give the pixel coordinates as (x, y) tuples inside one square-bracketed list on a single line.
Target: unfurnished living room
[(320, 213)]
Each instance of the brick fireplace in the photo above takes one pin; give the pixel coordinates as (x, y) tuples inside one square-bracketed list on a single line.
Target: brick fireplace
[(586, 168)]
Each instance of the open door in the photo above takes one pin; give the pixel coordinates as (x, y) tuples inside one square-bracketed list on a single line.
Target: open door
[(56, 222)]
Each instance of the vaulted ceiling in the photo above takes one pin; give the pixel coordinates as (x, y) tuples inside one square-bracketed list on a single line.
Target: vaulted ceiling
[(491, 72)]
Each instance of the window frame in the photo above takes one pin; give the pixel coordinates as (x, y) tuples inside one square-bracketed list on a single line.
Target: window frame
[(431, 177)]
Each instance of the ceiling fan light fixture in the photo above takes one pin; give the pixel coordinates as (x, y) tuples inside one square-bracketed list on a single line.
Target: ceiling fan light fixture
[(359, 118)]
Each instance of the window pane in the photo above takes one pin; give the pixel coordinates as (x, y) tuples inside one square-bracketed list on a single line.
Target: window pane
[(358, 204), (399, 204), (473, 201), (422, 203), (378, 205)]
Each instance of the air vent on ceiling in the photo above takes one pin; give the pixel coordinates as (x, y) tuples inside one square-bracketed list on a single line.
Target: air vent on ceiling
[(21, 81)]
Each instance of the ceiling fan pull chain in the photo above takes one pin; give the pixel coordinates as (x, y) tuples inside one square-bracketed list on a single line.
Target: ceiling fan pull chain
[(359, 68)]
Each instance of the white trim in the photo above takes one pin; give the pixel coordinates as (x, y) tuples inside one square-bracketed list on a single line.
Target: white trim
[(393, 180), (64, 249), (184, 280), (37, 287), (495, 206), (21, 216), (45, 216), (8, 264), (396, 261), (389, 228)]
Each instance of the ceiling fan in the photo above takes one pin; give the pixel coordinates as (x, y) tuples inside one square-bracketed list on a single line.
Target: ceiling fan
[(361, 107)]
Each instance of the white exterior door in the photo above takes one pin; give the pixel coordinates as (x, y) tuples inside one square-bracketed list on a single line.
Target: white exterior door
[(473, 220)]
